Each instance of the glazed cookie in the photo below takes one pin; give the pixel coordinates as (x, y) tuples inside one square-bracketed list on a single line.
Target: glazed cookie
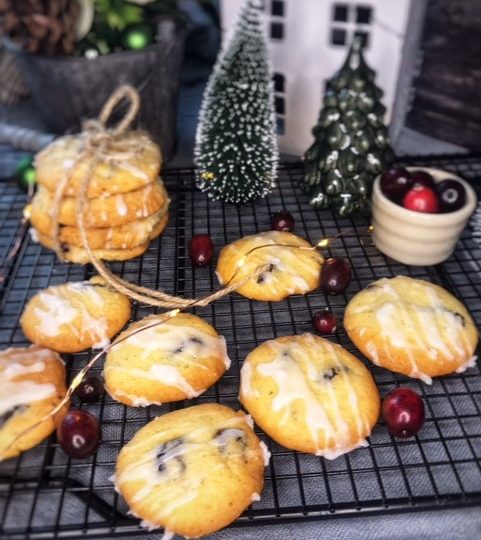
[(113, 174), (192, 471), (290, 271), (412, 327), (310, 395), (79, 255), (110, 211), (175, 360), (124, 236), (75, 316), (32, 384)]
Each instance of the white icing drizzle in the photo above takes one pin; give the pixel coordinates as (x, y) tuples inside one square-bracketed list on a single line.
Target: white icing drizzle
[(427, 331), (133, 170), (192, 344), (341, 451), (22, 392), (186, 488), (246, 388), (265, 453), (136, 400), (121, 207), (57, 310), (290, 262), (255, 497), (294, 384), (373, 353), (33, 234), (163, 373), (471, 363)]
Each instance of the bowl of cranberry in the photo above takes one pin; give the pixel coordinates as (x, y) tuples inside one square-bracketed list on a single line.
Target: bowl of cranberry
[(418, 214)]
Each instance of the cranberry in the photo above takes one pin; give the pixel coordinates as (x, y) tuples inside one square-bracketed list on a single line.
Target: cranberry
[(423, 178), (452, 195), (395, 183), (282, 221), (79, 434), (324, 322), (403, 412), (201, 249), (421, 199), (90, 389), (335, 275)]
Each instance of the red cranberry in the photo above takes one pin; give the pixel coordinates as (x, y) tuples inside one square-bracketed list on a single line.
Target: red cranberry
[(201, 249), (79, 434), (90, 389), (423, 178), (324, 322), (335, 275), (452, 195), (395, 183), (421, 199), (282, 221), (403, 412)]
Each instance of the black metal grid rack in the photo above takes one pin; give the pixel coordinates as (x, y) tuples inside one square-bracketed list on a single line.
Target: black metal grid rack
[(44, 494)]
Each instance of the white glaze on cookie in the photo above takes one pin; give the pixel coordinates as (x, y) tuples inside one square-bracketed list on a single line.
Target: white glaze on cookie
[(425, 325), (177, 347), (15, 392), (57, 309), (167, 464), (121, 207), (163, 373), (297, 378), (172, 337), (288, 261)]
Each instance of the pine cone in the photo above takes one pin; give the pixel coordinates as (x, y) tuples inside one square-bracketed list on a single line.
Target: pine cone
[(40, 26)]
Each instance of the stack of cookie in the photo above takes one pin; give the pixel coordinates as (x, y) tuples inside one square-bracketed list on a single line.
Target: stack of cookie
[(127, 202)]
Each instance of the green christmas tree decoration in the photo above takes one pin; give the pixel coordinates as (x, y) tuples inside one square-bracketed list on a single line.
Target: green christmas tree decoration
[(236, 147), (351, 143), (25, 174)]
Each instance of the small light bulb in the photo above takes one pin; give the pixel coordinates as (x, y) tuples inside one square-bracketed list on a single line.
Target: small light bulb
[(324, 243), (370, 229)]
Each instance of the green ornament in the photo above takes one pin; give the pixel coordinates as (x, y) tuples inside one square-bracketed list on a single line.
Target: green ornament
[(351, 143), (137, 37), (25, 174)]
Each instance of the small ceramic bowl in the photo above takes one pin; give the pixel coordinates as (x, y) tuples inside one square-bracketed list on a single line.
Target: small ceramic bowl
[(416, 238)]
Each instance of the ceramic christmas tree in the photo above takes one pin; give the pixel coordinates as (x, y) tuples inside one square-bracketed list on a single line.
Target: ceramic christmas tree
[(351, 142), (236, 148)]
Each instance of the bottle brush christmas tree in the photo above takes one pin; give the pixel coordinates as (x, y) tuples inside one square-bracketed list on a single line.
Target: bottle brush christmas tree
[(351, 142), (236, 147)]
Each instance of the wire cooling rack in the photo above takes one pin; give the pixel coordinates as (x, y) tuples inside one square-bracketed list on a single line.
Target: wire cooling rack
[(44, 494)]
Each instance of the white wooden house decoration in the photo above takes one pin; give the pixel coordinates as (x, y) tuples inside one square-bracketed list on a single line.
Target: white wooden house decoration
[(309, 41)]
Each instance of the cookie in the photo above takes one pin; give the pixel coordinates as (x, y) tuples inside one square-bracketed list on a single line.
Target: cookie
[(412, 327), (111, 211), (175, 360), (75, 316), (78, 255), (125, 236), (290, 271), (192, 471), (310, 395), (32, 384), (119, 173)]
